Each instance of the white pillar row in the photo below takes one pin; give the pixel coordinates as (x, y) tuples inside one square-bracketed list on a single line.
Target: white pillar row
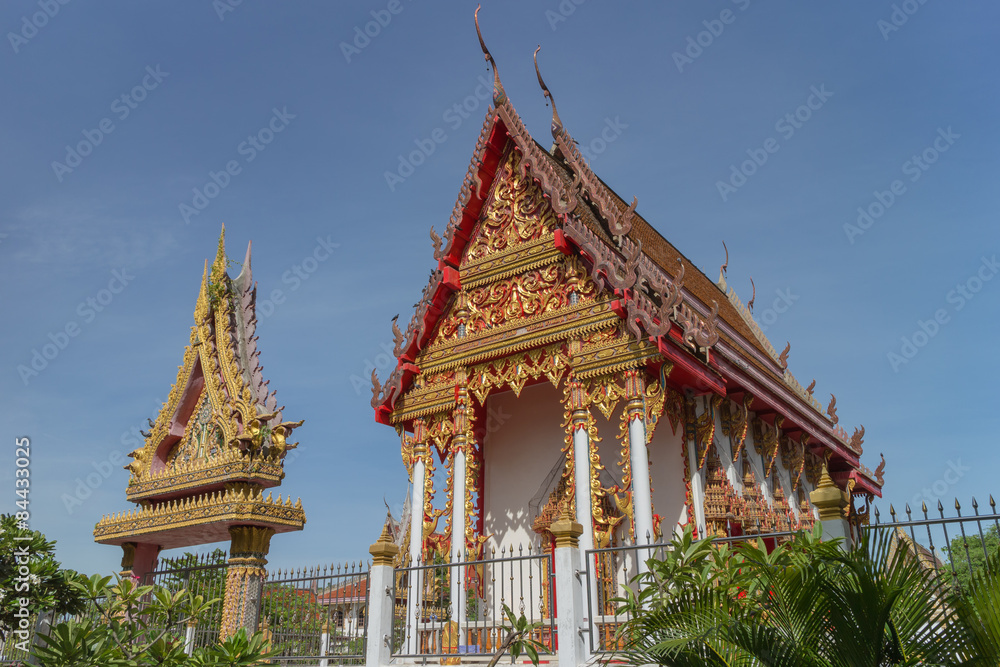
[(420, 452), (458, 531)]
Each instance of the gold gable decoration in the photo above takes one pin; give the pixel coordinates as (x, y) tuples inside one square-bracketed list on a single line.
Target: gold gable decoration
[(219, 441), (219, 401), (516, 213)]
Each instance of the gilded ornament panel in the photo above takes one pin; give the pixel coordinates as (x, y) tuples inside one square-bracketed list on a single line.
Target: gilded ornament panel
[(516, 298), (516, 213)]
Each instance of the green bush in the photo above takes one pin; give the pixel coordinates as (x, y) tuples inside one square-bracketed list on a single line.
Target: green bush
[(129, 631)]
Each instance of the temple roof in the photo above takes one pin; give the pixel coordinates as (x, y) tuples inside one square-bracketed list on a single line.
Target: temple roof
[(663, 295), (220, 402)]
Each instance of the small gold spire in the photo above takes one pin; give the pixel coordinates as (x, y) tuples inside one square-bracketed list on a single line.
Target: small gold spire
[(566, 530), (827, 497), (384, 550)]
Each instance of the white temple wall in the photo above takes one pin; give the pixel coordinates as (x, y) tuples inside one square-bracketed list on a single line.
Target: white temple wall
[(518, 456), (667, 456)]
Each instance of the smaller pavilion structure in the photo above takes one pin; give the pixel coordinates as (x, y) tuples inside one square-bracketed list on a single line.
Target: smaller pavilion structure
[(213, 453)]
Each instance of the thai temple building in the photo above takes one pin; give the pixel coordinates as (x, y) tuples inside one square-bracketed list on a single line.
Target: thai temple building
[(578, 382), (564, 356), (213, 453)]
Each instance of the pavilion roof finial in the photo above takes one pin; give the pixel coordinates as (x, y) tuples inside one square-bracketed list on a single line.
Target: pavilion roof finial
[(557, 125), (499, 95)]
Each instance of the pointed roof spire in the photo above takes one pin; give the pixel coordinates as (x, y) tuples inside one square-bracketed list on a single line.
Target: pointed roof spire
[(499, 95), (557, 125), (219, 265)]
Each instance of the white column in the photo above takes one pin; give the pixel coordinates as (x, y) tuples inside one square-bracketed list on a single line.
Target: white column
[(416, 545), (642, 502), (458, 535), (584, 512)]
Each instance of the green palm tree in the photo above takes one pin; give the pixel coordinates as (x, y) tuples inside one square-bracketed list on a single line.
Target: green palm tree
[(806, 603)]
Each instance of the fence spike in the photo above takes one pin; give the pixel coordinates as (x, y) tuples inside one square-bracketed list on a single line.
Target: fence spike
[(957, 505), (940, 508), (993, 504), (975, 505)]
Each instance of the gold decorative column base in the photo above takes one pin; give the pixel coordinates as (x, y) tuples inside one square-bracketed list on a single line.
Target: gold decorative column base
[(128, 560), (245, 577)]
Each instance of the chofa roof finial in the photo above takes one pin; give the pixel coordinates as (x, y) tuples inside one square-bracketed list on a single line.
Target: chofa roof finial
[(498, 92), (557, 125)]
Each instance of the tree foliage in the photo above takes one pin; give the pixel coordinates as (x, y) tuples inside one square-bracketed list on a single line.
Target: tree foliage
[(29, 571), (968, 555), (806, 603), (135, 628)]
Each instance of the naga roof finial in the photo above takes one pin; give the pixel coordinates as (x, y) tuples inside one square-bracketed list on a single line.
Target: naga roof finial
[(754, 297), (725, 265), (557, 125), (498, 92)]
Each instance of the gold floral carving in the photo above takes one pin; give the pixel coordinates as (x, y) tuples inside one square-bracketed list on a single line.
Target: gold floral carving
[(516, 370), (517, 212), (535, 292), (675, 409), (705, 430), (608, 351), (226, 466), (236, 504), (765, 441), (736, 423), (519, 335), (226, 403)]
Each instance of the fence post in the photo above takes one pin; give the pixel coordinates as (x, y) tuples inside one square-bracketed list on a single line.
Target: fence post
[(245, 576), (378, 647), (569, 590), (830, 502), (324, 643), (189, 636)]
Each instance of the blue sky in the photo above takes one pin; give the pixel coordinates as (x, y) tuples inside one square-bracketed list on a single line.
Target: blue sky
[(687, 92)]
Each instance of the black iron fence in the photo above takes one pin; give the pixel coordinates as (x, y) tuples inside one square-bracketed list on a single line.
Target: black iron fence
[(457, 607), (317, 615), (953, 546), (201, 574)]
